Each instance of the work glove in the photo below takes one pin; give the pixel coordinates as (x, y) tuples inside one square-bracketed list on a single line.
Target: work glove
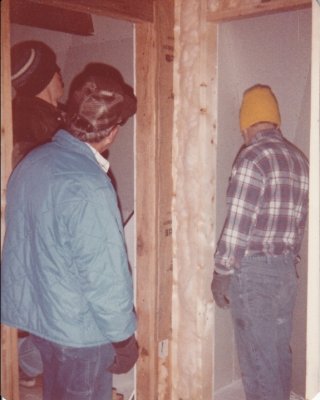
[(220, 289), (127, 353)]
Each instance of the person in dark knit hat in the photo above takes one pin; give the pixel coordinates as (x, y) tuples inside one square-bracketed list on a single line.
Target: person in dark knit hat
[(65, 271), (38, 84), (36, 79)]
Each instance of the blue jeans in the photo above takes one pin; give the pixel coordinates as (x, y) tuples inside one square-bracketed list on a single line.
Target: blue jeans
[(75, 373), (262, 296)]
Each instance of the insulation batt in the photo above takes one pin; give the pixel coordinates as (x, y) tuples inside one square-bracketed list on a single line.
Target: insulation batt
[(193, 149)]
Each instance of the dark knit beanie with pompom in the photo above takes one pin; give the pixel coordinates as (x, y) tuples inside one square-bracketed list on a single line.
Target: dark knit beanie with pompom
[(33, 65)]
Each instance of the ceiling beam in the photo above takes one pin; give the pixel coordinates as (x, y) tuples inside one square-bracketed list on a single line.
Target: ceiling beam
[(134, 11), (48, 17), (226, 10)]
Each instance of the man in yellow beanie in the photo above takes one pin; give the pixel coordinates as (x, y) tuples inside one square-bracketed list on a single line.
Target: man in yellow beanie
[(255, 259)]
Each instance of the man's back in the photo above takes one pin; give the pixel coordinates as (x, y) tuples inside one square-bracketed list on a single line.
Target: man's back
[(35, 121), (267, 200), (65, 268), (279, 177), (255, 261)]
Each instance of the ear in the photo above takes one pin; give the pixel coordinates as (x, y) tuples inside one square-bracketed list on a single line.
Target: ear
[(244, 133), (104, 143), (110, 138)]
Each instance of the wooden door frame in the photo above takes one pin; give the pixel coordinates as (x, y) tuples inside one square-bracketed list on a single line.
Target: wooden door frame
[(223, 12), (153, 43), (9, 351)]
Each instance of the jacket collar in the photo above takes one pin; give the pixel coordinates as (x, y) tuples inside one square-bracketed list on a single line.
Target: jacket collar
[(103, 162), (64, 139), (267, 134)]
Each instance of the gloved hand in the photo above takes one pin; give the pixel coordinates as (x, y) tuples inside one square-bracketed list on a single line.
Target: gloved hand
[(127, 353), (220, 289)]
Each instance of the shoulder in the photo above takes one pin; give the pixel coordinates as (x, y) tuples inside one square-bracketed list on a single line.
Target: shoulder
[(248, 157), (32, 105), (35, 120), (64, 162), (295, 152)]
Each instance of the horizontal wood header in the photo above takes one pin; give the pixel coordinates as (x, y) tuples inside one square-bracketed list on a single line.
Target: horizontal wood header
[(222, 10), (135, 11)]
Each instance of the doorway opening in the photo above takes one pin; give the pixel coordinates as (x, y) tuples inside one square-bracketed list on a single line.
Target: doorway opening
[(273, 50)]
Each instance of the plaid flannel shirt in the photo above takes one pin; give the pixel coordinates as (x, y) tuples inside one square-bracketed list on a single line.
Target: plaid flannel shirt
[(267, 202)]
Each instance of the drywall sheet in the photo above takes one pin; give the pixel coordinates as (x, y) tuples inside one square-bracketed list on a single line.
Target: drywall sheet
[(313, 309)]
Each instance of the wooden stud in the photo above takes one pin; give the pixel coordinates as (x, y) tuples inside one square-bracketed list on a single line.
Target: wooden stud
[(9, 351), (221, 10), (164, 24), (6, 112), (154, 55), (146, 211), (165, 49)]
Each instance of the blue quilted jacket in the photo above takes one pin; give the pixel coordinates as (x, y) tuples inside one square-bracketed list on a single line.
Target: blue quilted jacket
[(65, 274)]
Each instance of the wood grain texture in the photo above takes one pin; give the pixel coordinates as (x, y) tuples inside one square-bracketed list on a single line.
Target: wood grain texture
[(224, 10), (135, 11), (146, 211)]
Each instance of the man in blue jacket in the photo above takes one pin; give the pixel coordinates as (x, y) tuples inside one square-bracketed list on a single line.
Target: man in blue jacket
[(65, 273)]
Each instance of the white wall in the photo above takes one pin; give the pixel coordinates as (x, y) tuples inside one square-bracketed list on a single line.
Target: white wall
[(273, 50), (112, 43), (313, 310)]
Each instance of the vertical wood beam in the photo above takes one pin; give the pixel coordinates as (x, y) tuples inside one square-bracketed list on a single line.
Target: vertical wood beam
[(9, 353), (193, 206), (165, 54), (146, 211), (6, 111), (154, 76), (164, 25)]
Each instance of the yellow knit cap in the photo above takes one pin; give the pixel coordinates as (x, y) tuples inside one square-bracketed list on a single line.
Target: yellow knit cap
[(259, 104)]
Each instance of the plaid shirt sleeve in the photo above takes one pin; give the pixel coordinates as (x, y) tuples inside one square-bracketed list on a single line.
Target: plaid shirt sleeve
[(243, 195)]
